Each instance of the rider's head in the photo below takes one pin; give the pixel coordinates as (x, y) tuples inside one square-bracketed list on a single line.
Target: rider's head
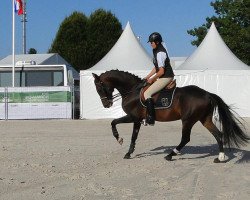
[(156, 38)]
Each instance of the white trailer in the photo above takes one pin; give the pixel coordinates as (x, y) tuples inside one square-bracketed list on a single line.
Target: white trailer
[(41, 91)]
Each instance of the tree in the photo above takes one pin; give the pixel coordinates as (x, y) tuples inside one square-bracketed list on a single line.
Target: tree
[(84, 41), (232, 22), (104, 30), (71, 40), (32, 51)]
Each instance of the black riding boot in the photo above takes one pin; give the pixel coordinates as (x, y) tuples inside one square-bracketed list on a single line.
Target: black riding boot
[(150, 112)]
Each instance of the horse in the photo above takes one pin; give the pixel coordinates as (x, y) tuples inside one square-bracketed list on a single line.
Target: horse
[(190, 104)]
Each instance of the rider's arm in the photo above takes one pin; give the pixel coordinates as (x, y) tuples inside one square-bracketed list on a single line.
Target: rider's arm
[(157, 75), (153, 71), (161, 57)]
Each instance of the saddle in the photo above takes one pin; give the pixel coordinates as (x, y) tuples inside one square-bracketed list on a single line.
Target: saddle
[(163, 98)]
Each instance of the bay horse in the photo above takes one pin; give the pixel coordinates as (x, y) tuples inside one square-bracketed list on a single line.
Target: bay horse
[(190, 104)]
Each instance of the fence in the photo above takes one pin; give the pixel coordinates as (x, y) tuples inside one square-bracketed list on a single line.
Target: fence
[(36, 102)]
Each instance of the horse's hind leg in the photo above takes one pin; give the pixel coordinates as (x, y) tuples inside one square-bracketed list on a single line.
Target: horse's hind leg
[(208, 123), (186, 132)]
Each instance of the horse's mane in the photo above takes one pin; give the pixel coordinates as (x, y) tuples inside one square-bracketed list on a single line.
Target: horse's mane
[(123, 74)]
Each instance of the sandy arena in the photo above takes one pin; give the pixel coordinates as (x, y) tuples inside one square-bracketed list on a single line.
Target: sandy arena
[(80, 159)]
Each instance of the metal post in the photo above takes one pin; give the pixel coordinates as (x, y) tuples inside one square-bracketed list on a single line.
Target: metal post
[(6, 106), (13, 44), (24, 20)]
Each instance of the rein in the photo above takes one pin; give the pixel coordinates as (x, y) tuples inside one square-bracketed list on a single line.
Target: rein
[(117, 96), (113, 97)]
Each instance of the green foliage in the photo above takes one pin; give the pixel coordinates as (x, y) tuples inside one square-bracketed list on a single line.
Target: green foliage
[(83, 41), (70, 41), (32, 51), (104, 30), (232, 22)]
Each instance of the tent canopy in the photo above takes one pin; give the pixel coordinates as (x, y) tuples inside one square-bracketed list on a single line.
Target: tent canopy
[(213, 54), (216, 69), (126, 54)]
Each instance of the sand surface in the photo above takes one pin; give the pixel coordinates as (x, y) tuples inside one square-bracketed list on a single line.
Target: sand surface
[(80, 159)]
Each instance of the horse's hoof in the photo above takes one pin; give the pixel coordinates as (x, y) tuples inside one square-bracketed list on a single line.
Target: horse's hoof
[(168, 157), (120, 140), (216, 160), (127, 156)]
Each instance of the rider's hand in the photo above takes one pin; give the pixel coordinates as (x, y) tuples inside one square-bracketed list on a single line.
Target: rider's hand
[(150, 81)]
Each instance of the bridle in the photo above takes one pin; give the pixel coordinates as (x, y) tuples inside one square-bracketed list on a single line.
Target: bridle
[(114, 97)]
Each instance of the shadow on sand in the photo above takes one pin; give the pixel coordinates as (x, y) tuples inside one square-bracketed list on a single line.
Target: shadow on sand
[(241, 156)]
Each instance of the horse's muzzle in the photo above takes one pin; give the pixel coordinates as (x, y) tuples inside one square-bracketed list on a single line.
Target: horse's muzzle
[(107, 104)]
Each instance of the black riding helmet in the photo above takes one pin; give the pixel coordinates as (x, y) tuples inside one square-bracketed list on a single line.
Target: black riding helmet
[(155, 37)]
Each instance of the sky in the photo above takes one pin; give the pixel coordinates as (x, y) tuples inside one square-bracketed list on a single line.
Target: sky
[(171, 18)]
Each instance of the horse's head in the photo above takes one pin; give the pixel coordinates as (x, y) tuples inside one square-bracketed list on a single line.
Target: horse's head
[(105, 90)]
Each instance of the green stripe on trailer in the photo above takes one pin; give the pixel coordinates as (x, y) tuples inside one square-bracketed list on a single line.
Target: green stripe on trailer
[(39, 97)]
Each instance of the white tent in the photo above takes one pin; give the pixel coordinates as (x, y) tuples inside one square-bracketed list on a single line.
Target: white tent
[(126, 55), (213, 54), (215, 68)]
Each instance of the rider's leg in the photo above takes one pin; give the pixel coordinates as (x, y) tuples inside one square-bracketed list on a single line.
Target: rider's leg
[(150, 111), (155, 87)]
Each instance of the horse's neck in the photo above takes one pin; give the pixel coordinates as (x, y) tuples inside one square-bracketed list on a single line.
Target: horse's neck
[(124, 86)]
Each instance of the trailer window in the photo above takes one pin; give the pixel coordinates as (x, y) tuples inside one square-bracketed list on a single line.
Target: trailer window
[(32, 78), (44, 78), (58, 79), (38, 78), (6, 79)]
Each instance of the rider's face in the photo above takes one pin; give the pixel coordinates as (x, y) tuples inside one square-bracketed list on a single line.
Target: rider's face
[(153, 45)]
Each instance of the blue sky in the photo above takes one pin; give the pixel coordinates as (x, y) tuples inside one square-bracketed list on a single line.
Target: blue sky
[(172, 18)]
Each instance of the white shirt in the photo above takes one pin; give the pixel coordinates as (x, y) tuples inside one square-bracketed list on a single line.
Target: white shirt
[(161, 57)]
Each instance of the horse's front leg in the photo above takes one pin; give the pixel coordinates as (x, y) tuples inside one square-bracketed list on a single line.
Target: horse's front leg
[(136, 129), (125, 119)]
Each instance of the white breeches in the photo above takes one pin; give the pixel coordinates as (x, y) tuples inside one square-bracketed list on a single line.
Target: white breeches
[(157, 86)]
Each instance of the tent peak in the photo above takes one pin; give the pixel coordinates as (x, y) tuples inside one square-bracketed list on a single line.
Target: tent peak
[(213, 54), (126, 54), (128, 23)]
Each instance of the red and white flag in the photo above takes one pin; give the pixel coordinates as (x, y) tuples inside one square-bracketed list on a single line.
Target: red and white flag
[(18, 7)]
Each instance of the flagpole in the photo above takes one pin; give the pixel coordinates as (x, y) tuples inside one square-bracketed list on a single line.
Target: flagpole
[(24, 20), (13, 43)]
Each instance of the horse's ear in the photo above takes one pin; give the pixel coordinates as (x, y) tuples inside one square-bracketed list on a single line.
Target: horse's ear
[(95, 76)]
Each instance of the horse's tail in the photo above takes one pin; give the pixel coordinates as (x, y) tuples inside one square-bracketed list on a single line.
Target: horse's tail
[(232, 128)]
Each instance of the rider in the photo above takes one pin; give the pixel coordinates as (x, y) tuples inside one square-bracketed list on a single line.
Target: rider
[(161, 75)]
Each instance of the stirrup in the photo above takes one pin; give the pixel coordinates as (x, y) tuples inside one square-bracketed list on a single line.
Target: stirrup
[(150, 122)]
